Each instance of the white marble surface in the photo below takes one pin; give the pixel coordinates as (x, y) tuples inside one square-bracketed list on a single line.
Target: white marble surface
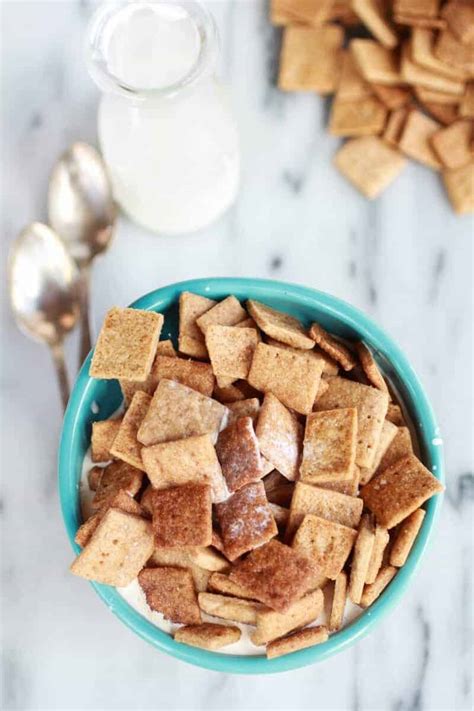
[(406, 260)]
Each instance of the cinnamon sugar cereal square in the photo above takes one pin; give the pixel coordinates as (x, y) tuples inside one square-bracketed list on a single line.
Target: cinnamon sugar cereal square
[(127, 344), (93, 477), (222, 584), (338, 602), (245, 520), (395, 415), (125, 445), (275, 574), (453, 144), (330, 367), (363, 549), (399, 490), (102, 438), (229, 608), (415, 140), (381, 540), (459, 184), (400, 446), (387, 436), (330, 505), (171, 592), (195, 375), (370, 367), (208, 635), (226, 313), (329, 446), (291, 377), (117, 550), (239, 455), (280, 436), (296, 12), (349, 487), (179, 558), (298, 640), (369, 164), (231, 352), (184, 461), (117, 476), (182, 516), (371, 405), (325, 543), (272, 624), (310, 58), (334, 348), (404, 539), (279, 325), (121, 501), (244, 408), (281, 515), (372, 15), (166, 348), (373, 591), (209, 559), (191, 339), (177, 411), (377, 64)]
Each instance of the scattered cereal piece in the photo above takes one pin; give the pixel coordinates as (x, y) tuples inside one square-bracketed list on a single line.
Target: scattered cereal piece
[(364, 117), (231, 351), (459, 184), (310, 58), (198, 376), (280, 436), (394, 414), (325, 543), (226, 313), (292, 378), (369, 164), (363, 548), (329, 446), (166, 348), (117, 550), (274, 573), (377, 64), (245, 520), (117, 476), (191, 338), (229, 394), (381, 540), (182, 516), (329, 505), (393, 97), (209, 559), (416, 137), (399, 490), (184, 461), (298, 640), (208, 635), (222, 583), (171, 592), (102, 438), (177, 412), (460, 18), (272, 624), (372, 592), (330, 367), (422, 8), (239, 455), (349, 487), (125, 445), (466, 107), (121, 501), (370, 367), (420, 76), (127, 344), (229, 608), (405, 536), (371, 405), (449, 50), (293, 12), (338, 602), (387, 435), (279, 325), (352, 86), (422, 52)]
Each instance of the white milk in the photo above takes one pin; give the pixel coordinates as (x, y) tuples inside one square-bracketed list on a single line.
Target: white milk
[(165, 127)]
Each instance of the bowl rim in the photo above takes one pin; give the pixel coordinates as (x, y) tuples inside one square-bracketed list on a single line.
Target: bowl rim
[(427, 430)]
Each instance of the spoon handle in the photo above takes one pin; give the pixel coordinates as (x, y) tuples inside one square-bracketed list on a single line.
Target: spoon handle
[(85, 339), (57, 351)]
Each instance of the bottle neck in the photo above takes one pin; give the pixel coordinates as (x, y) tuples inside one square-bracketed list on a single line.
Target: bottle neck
[(142, 50)]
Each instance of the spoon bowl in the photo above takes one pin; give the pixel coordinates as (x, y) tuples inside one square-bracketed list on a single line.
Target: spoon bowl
[(82, 211), (44, 291)]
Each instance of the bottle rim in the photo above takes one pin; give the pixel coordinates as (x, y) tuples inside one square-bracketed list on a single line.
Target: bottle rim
[(107, 81)]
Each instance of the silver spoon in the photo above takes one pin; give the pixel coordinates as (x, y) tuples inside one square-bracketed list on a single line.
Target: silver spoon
[(44, 292), (82, 211)]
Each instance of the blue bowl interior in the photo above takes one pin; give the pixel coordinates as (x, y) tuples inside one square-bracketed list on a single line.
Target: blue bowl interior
[(98, 399)]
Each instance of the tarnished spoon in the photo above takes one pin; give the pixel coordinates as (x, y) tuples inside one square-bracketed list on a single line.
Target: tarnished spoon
[(82, 211), (44, 292)]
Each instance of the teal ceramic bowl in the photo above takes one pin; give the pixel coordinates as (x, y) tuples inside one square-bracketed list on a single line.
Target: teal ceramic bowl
[(98, 399)]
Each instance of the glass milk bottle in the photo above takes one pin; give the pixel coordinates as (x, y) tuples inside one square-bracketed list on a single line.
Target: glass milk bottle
[(165, 127)]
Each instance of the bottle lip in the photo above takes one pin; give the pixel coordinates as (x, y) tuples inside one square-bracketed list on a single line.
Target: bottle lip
[(96, 58)]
